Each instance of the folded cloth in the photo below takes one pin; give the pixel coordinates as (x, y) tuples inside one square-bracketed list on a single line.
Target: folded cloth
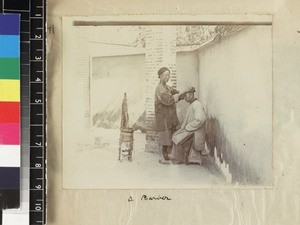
[(181, 136)]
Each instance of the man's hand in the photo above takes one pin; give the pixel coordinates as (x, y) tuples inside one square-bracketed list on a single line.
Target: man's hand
[(186, 90), (189, 89)]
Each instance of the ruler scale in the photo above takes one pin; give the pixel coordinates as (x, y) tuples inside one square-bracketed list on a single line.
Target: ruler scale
[(33, 94), (37, 112)]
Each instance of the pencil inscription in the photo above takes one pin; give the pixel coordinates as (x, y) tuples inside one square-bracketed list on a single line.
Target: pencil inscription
[(151, 198)]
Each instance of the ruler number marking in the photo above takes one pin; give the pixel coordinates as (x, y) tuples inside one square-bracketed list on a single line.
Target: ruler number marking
[(37, 56), (38, 206)]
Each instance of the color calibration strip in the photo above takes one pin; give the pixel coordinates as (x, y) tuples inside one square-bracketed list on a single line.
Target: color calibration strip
[(10, 154)]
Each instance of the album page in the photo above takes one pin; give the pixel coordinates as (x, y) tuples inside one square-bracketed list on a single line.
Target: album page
[(173, 112)]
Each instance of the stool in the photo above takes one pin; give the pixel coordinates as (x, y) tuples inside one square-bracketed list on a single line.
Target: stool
[(126, 143)]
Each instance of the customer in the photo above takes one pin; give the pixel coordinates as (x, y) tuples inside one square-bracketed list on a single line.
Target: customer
[(189, 140)]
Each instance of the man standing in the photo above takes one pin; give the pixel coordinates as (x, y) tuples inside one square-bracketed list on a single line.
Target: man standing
[(165, 113), (189, 140)]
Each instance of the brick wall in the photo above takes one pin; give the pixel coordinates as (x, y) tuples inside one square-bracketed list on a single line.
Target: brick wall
[(160, 51)]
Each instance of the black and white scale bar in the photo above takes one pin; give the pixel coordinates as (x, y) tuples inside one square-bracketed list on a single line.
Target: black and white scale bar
[(37, 112), (20, 7), (33, 95)]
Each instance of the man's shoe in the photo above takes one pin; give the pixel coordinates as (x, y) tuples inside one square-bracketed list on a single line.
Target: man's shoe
[(176, 162), (164, 162), (167, 157), (165, 154)]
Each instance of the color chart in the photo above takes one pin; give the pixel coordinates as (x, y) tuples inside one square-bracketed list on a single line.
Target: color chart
[(10, 153)]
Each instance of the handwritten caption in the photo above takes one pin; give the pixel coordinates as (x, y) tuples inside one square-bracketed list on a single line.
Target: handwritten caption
[(150, 198)]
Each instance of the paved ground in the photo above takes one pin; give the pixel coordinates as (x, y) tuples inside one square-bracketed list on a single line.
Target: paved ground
[(99, 168)]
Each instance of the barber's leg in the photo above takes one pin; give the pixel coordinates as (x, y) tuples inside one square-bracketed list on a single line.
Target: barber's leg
[(160, 153), (169, 151), (162, 159), (165, 149)]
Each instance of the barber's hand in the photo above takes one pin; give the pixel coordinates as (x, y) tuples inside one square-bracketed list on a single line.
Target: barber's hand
[(174, 91), (172, 101), (190, 88), (186, 90), (181, 96)]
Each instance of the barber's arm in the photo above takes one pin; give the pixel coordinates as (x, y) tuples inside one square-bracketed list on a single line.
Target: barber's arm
[(166, 99), (174, 91), (180, 96)]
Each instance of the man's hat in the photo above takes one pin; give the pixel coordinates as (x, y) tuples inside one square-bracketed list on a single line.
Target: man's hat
[(162, 70), (192, 89), (189, 89)]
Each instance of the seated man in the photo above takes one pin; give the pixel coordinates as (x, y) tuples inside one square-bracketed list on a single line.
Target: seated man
[(189, 140)]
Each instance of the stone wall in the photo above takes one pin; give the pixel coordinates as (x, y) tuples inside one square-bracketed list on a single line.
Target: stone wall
[(236, 91)]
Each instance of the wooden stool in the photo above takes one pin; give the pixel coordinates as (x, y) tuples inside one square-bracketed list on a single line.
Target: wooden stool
[(126, 143)]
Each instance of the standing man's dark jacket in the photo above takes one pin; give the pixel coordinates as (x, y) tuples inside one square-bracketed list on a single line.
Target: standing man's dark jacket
[(165, 107)]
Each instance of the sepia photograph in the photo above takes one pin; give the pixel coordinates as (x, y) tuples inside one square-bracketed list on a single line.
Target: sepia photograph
[(158, 105)]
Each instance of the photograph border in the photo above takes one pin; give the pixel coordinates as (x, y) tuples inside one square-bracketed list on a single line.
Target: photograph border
[(226, 19)]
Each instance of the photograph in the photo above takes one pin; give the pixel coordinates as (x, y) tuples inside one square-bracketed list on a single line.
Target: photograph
[(166, 105)]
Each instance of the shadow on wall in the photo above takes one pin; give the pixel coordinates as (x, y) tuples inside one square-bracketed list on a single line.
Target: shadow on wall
[(235, 87), (216, 139)]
